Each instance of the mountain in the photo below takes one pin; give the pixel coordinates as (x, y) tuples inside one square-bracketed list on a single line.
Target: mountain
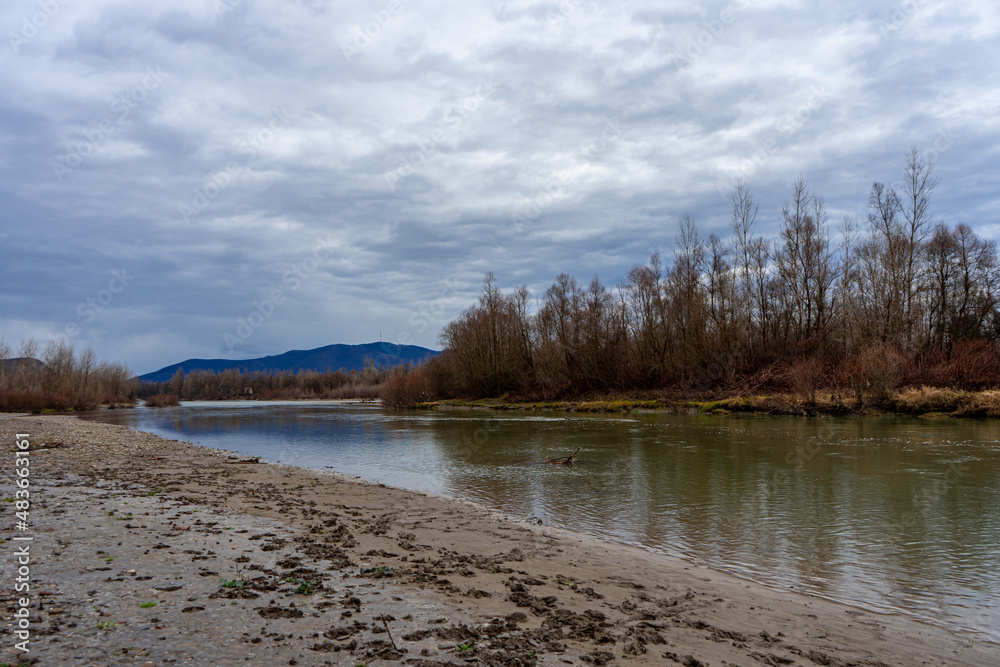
[(12, 365), (333, 357)]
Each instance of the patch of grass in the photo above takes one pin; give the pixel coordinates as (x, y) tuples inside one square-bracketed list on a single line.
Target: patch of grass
[(981, 404), (305, 587), (232, 583), (109, 559), (378, 571), (147, 605), (616, 406), (467, 646), (105, 625), (928, 399)]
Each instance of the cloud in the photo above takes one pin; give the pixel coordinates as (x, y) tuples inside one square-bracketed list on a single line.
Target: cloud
[(208, 148)]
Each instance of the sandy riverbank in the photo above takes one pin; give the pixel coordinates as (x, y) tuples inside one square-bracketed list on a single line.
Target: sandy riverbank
[(320, 569)]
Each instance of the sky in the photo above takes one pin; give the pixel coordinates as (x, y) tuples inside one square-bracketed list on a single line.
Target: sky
[(235, 178)]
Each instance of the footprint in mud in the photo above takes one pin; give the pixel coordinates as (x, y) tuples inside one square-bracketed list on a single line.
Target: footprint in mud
[(351, 603), (476, 593), (345, 631), (279, 612), (234, 594)]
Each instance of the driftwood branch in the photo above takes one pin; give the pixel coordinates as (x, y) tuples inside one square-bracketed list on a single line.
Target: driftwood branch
[(391, 641), (565, 459)]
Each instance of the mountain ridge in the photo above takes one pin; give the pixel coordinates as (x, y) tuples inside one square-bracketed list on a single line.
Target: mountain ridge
[(333, 357)]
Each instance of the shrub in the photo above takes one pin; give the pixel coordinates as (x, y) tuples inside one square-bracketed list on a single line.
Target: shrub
[(807, 376), (405, 389), (162, 401), (34, 401), (876, 371)]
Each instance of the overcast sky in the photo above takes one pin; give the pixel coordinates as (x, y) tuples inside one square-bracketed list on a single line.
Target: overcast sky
[(341, 169)]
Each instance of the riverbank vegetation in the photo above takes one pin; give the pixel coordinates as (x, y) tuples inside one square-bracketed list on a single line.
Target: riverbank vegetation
[(233, 383), (923, 401), (822, 314), (162, 401), (57, 378)]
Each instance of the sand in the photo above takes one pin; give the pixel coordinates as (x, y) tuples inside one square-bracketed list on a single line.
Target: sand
[(149, 551)]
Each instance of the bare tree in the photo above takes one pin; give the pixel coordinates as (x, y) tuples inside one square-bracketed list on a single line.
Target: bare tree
[(845, 298), (940, 253), (743, 221), (919, 182), (805, 265), (882, 262), (687, 299), (719, 282), (644, 312)]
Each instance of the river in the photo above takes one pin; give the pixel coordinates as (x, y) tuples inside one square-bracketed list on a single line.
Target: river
[(890, 514)]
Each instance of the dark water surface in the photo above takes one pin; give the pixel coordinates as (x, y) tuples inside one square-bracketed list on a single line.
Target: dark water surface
[(890, 514)]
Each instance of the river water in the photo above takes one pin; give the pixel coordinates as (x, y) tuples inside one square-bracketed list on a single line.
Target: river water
[(891, 514)]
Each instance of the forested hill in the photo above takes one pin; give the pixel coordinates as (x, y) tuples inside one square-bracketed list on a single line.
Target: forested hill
[(332, 357)]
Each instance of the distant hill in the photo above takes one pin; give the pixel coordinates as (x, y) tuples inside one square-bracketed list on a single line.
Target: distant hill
[(333, 357), (11, 365)]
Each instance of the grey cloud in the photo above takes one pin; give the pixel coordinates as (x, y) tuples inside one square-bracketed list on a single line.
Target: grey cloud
[(743, 104)]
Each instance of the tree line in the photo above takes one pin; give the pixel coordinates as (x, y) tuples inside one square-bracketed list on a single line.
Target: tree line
[(895, 298), (204, 385), (57, 377)]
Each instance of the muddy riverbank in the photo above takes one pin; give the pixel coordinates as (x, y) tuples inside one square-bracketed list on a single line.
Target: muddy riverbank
[(148, 550)]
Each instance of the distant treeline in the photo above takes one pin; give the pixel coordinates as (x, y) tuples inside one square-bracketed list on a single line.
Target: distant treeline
[(866, 307), (202, 385), (57, 378)]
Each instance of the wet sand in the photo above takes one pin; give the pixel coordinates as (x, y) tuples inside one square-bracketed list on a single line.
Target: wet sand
[(148, 551)]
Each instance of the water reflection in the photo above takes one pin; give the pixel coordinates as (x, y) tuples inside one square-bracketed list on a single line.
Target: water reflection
[(895, 514)]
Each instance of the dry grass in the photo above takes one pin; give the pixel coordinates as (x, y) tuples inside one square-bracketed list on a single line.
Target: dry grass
[(928, 399), (981, 404)]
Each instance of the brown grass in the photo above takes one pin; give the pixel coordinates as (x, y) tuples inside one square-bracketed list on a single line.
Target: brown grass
[(981, 404), (928, 399)]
